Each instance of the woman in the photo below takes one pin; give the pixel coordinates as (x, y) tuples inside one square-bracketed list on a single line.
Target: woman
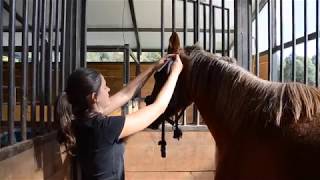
[(94, 137)]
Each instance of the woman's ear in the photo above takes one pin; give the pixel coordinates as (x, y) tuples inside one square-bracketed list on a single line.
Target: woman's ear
[(92, 98)]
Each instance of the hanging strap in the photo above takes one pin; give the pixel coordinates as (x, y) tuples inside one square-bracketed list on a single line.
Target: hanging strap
[(177, 133), (163, 142)]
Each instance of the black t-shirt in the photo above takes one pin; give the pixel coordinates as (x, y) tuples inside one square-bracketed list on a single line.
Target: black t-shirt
[(99, 149)]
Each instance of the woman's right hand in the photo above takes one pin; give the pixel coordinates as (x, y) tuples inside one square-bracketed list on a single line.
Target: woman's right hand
[(177, 65)]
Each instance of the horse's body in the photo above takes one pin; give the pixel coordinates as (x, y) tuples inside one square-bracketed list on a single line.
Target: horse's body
[(262, 129)]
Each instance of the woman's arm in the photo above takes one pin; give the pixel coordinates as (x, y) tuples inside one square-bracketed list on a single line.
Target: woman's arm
[(125, 94), (145, 116)]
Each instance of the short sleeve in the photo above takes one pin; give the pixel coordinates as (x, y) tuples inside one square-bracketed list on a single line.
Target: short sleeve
[(112, 127)]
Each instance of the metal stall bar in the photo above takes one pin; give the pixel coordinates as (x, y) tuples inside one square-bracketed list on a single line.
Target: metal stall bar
[(281, 43), (213, 30), (63, 44), (49, 67), (197, 18), (305, 67), (24, 57), (69, 53), (317, 43), (83, 44), (39, 58), (228, 34), (12, 94), (184, 116), (185, 23), (249, 40), (223, 27), (194, 22), (173, 15), (204, 27), (1, 63), (126, 73), (75, 55), (257, 55), (162, 28), (196, 118), (293, 43), (35, 38), (210, 26), (42, 62), (270, 44), (57, 48)]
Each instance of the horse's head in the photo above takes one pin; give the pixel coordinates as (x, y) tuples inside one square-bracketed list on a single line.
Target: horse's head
[(180, 99)]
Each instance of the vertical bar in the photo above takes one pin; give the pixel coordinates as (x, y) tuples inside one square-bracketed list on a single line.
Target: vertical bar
[(42, 62), (185, 23), (138, 71), (249, 14), (12, 95), (35, 38), (69, 38), (317, 43), (194, 23), (126, 73), (213, 30), (184, 117), (173, 15), (75, 37), (305, 74), (281, 43), (228, 35), (293, 43), (83, 44), (210, 26), (63, 44), (222, 27), (49, 62), (1, 64), (57, 47), (197, 30), (185, 26), (162, 28), (198, 20), (270, 44), (24, 57), (38, 84), (204, 28), (257, 39)]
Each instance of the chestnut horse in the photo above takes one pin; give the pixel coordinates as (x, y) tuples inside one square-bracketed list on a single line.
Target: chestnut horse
[(263, 130)]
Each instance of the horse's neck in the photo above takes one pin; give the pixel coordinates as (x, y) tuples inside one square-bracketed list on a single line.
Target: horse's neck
[(205, 90)]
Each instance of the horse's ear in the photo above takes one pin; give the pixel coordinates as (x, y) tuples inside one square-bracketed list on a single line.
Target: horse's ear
[(174, 43)]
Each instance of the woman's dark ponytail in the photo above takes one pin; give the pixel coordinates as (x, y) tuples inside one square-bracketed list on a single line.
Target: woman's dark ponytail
[(64, 115), (72, 105)]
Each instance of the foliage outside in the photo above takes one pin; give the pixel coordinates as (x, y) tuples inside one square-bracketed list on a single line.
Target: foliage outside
[(311, 69), (118, 56)]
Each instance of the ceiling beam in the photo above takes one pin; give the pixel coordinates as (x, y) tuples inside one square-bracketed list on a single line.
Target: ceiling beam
[(134, 21), (93, 29)]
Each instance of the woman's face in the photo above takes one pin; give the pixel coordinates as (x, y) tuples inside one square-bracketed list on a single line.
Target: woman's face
[(103, 95)]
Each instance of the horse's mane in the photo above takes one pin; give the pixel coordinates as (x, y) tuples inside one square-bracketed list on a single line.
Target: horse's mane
[(244, 100)]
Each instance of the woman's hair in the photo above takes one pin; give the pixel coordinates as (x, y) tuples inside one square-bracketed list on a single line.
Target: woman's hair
[(73, 103)]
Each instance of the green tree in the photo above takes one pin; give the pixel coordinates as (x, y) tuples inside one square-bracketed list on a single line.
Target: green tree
[(150, 56), (104, 56), (299, 69)]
